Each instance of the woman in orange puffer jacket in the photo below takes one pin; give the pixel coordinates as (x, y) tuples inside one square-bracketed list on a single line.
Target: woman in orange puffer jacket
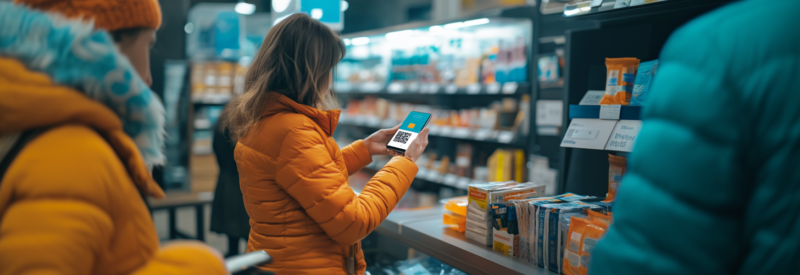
[(292, 173), (78, 128)]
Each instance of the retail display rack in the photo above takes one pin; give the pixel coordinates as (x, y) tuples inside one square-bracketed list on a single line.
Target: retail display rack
[(636, 31)]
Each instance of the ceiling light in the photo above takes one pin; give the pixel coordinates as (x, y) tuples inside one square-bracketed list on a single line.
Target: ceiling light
[(358, 41), (280, 5), (316, 13), (344, 5), (245, 8)]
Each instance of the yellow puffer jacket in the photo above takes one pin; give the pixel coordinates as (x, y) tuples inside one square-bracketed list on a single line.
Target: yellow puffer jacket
[(69, 202), (294, 180)]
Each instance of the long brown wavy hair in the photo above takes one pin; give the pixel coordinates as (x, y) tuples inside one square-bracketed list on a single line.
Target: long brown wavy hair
[(296, 59)]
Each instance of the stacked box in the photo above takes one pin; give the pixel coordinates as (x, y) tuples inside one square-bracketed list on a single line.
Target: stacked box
[(550, 237), (482, 196)]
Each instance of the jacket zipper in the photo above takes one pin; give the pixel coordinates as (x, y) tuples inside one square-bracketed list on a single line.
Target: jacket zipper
[(351, 261)]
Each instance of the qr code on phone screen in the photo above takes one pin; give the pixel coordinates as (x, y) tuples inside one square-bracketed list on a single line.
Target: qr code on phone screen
[(402, 137)]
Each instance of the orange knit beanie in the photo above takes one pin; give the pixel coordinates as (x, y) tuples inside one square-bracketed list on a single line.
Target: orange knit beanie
[(110, 15)]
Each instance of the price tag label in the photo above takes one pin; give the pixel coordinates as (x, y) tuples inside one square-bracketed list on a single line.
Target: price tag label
[(343, 87), (387, 123), (434, 130), (473, 89), (610, 111), (359, 120), (413, 87), (483, 134), (434, 176), (460, 132), (446, 131), (463, 183), (549, 112), (395, 88), (493, 88), (450, 179), (505, 136), (592, 98), (510, 87), (588, 133), (373, 121), (624, 135), (450, 89)]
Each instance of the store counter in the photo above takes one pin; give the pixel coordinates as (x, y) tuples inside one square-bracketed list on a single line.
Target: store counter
[(423, 230)]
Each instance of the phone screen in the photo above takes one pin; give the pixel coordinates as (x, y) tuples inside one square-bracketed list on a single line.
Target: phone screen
[(409, 130)]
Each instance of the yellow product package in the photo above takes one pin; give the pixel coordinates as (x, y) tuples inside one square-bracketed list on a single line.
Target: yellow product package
[(619, 80)]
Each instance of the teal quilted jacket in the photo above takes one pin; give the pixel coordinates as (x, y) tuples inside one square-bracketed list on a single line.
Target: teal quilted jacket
[(713, 182)]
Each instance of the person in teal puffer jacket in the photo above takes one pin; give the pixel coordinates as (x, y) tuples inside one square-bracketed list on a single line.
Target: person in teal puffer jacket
[(713, 182)]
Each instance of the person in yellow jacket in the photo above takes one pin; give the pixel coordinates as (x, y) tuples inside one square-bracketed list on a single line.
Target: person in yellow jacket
[(292, 173), (71, 198)]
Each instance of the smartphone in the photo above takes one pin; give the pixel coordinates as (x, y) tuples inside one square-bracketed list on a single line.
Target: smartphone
[(408, 131), (245, 261)]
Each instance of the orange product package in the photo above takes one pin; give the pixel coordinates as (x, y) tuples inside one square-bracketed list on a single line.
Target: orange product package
[(455, 215), (593, 232), (572, 251), (600, 217), (619, 80), (616, 169)]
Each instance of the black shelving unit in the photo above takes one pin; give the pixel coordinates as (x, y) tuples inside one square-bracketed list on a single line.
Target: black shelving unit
[(639, 31), (453, 98)]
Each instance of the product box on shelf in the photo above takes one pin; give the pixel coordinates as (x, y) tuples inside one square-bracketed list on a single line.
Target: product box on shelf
[(482, 196), (549, 234)]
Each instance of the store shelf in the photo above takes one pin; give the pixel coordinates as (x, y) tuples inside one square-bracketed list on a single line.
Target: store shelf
[(430, 176), (211, 99), (607, 12), (460, 133), (593, 111), (423, 230), (510, 88)]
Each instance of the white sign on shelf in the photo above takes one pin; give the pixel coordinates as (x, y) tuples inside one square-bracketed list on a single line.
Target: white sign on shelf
[(373, 121), (388, 123), (446, 131), (610, 111), (450, 179), (510, 87), (473, 89), (450, 89), (413, 87), (505, 136), (592, 98), (588, 133), (460, 132), (624, 135), (549, 112), (463, 183), (358, 120), (483, 134), (493, 88), (395, 88), (434, 130)]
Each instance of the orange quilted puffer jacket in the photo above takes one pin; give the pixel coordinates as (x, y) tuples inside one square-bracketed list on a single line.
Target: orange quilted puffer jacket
[(294, 180)]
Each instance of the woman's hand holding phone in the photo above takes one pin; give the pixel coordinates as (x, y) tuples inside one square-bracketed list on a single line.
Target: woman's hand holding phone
[(417, 146), (376, 142)]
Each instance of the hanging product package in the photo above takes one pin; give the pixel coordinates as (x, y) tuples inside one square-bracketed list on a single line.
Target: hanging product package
[(619, 80), (644, 78), (616, 169)]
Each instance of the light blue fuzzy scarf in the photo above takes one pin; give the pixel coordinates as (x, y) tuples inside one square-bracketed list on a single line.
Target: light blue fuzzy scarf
[(73, 54)]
